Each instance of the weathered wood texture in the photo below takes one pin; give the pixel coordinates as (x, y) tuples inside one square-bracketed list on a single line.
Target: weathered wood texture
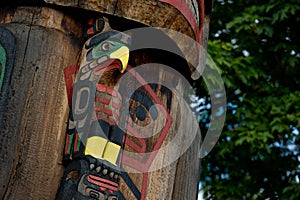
[(31, 140), (184, 16), (174, 171), (153, 13)]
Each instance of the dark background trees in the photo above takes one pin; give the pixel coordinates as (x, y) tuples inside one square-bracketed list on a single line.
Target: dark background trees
[(256, 47)]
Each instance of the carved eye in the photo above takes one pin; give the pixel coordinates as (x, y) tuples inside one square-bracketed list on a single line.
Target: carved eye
[(106, 46)]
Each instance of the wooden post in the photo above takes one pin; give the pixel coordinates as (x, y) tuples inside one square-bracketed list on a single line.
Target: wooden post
[(33, 126), (50, 41)]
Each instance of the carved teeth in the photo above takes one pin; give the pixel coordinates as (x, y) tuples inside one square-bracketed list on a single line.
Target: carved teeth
[(111, 174), (104, 172), (116, 176), (98, 169), (92, 166)]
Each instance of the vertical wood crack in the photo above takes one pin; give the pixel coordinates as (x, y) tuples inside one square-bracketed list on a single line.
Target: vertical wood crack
[(116, 5), (17, 163)]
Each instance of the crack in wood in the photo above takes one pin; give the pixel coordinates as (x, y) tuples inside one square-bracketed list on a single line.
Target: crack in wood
[(115, 8), (27, 42), (18, 162)]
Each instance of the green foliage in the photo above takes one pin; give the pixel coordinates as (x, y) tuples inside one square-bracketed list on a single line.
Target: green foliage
[(256, 46)]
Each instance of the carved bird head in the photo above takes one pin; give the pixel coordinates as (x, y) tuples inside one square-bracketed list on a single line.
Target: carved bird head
[(107, 48), (106, 56)]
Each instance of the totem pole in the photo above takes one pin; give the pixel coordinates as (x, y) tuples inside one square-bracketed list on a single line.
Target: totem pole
[(94, 139), (91, 98)]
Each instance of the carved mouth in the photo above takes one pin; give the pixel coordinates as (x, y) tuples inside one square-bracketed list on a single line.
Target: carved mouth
[(107, 66)]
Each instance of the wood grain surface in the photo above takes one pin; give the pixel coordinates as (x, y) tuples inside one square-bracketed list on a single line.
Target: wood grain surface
[(34, 124), (31, 140)]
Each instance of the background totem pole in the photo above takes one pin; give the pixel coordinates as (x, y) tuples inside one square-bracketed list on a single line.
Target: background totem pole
[(48, 49)]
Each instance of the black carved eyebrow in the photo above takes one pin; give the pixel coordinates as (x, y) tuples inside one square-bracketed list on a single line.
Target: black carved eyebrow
[(101, 37), (113, 35)]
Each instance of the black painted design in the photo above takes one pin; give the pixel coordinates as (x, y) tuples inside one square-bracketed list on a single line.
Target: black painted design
[(130, 185), (145, 103)]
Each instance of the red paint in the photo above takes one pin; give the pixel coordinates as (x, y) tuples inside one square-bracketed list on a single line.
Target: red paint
[(136, 164), (69, 73), (103, 183), (103, 180), (141, 148), (104, 101), (98, 109), (76, 142), (138, 148), (185, 10), (91, 21), (67, 144), (107, 66), (112, 123), (90, 31), (101, 87), (130, 161), (159, 142), (110, 90), (144, 186), (105, 110)]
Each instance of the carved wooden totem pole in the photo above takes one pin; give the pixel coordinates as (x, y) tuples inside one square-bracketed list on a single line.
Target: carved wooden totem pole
[(91, 98)]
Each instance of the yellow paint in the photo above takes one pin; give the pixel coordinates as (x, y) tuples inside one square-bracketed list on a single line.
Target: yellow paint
[(95, 146), (112, 152), (121, 54)]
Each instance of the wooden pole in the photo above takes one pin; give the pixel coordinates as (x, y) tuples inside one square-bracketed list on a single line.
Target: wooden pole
[(49, 42), (34, 123)]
